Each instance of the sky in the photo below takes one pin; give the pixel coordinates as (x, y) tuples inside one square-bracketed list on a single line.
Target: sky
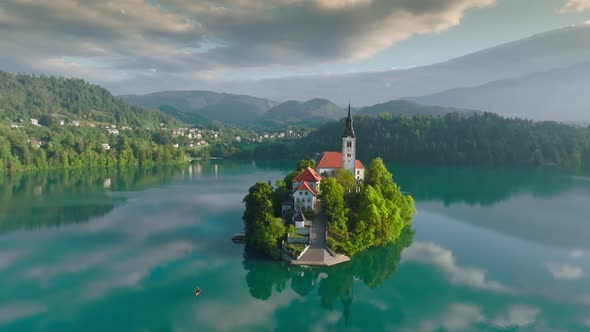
[(141, 46)]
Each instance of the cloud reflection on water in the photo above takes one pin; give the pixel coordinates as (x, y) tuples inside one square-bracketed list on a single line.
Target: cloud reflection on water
[(147, 255)]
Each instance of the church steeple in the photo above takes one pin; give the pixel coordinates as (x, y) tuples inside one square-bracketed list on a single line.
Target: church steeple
[(349, 145), (348, 130)]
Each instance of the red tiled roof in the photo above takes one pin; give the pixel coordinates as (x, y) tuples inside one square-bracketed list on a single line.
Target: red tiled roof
[(308, 175), (358, 164), (331, 159), (305, 186)]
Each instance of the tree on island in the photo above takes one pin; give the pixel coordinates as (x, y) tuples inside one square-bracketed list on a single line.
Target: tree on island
[(345, 178), (375, 217), (262, 229), (333, 205)]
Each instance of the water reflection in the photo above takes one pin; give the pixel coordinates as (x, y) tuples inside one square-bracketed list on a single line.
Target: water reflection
[(481, 186), (46, 199), (336, 284)]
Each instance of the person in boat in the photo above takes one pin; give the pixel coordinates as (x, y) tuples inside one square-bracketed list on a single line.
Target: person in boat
[(198, 291)]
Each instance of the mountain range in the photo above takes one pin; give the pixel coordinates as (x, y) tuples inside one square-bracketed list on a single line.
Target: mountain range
[(205, 106), (541, 77)]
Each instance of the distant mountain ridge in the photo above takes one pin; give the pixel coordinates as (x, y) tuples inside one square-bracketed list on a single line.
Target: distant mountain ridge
[(407, 107), (546, 52), (312, 112), (206, 106), (223, 107), (555, 94)]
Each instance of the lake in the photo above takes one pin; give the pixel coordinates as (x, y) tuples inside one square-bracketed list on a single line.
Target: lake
[(99, 250)]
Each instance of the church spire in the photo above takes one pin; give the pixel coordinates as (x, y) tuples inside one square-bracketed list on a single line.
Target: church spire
[(348, 130)]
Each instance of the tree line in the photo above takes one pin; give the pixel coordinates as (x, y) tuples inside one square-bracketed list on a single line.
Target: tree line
[(479, 139), (72, 147)]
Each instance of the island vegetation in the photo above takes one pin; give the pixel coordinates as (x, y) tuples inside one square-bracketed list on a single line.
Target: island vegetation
[(374, 215), (360, 215)]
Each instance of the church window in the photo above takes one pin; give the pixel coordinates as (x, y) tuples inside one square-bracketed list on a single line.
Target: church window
[(348, 155), (349, 144)]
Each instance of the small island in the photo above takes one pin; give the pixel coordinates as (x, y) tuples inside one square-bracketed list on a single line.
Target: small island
[(324, 212)]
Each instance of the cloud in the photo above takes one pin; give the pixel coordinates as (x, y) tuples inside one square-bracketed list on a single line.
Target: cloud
[(565, 271), (114, 41), (516, 316), (575, 6), (430, 253), (16, 311)]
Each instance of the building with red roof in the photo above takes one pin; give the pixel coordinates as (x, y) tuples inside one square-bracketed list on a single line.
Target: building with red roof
[(304, 197), (310, 176), (333, 160)]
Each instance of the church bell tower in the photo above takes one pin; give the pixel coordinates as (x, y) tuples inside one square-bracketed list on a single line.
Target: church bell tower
[(348, 145)]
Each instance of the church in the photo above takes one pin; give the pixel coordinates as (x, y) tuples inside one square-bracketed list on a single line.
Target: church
[(306, 185), (333, 160)]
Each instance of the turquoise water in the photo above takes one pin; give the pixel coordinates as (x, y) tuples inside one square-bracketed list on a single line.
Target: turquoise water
[(490, 250)]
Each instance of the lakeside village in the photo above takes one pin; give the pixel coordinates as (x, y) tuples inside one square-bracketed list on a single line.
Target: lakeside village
[(326, 210), (194, 137)]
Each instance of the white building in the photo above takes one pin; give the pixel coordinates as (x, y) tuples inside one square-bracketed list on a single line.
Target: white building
[(346, 159), (106, 146), (304, 197), (34, 122)]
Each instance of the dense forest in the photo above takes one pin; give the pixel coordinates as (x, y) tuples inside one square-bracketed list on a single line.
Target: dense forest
[(51, 99), (478, 139), (50, 122)]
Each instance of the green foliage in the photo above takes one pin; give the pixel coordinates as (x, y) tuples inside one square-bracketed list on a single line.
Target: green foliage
[(25, 96), (51, 145), (346, 179), (377, 219), (305, 163), (477, 139), (291, 229), (279, 195), (262, 229), (334, 285), (333, 204)]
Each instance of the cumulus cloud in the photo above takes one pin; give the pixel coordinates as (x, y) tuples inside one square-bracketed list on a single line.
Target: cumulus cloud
[(119, 40), (431, 253), (16, 311), (517, 316), (565, 271), (574, 6)]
